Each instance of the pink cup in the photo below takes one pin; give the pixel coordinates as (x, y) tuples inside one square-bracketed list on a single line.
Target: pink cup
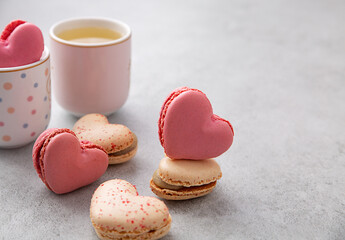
[(90, 77)]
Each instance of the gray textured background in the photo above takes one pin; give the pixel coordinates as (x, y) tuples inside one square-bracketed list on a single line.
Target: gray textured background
[(275, 69)]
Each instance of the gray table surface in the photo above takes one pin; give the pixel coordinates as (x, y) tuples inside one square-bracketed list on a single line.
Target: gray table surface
[(275, 69)]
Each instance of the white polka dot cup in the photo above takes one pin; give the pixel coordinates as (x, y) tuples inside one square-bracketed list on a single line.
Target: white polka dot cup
[(24, 102), (90, 77)]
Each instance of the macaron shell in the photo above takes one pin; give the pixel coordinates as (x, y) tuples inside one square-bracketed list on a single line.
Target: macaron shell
[(117, 208), (182, 194), (188, 173), (152, 235), (24, 45), (188, 128), (36, 150), (10, 28), (164, 110), (68, 165), (96, 128)]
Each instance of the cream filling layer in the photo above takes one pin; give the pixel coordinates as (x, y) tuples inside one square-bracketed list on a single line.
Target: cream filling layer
[(128, 149), (160, 183)]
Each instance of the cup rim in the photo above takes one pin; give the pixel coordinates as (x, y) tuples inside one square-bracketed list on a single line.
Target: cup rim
[(124, 38), (45, 56)]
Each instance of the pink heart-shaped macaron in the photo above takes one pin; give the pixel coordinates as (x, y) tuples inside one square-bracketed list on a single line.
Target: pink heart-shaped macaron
[(188, 129), (21, 43), (65, 164)]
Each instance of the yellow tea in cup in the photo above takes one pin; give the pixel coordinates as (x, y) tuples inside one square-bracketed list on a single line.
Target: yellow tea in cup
[(90, 35)]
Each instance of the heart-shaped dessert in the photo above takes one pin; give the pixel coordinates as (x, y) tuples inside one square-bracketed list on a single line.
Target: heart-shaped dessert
[(181, 179), (21, 43), (188, 129), (65, 164), (118, 212), (118, 140)]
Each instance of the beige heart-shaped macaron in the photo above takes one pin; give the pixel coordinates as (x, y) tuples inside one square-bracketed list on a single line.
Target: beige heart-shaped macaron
[(118, 212), (118, 140)]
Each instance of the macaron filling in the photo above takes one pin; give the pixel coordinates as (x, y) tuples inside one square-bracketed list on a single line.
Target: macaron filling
[(126, 150), (160, 183)]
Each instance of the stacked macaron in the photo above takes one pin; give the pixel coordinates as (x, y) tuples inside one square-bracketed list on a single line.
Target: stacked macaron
[(192, 136)]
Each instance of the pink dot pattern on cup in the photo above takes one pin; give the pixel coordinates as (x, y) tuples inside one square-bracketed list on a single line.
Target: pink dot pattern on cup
[(11, 108), (6, 138), (7, 86)]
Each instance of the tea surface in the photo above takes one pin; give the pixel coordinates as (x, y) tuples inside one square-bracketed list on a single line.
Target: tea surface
[(90, 35)]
